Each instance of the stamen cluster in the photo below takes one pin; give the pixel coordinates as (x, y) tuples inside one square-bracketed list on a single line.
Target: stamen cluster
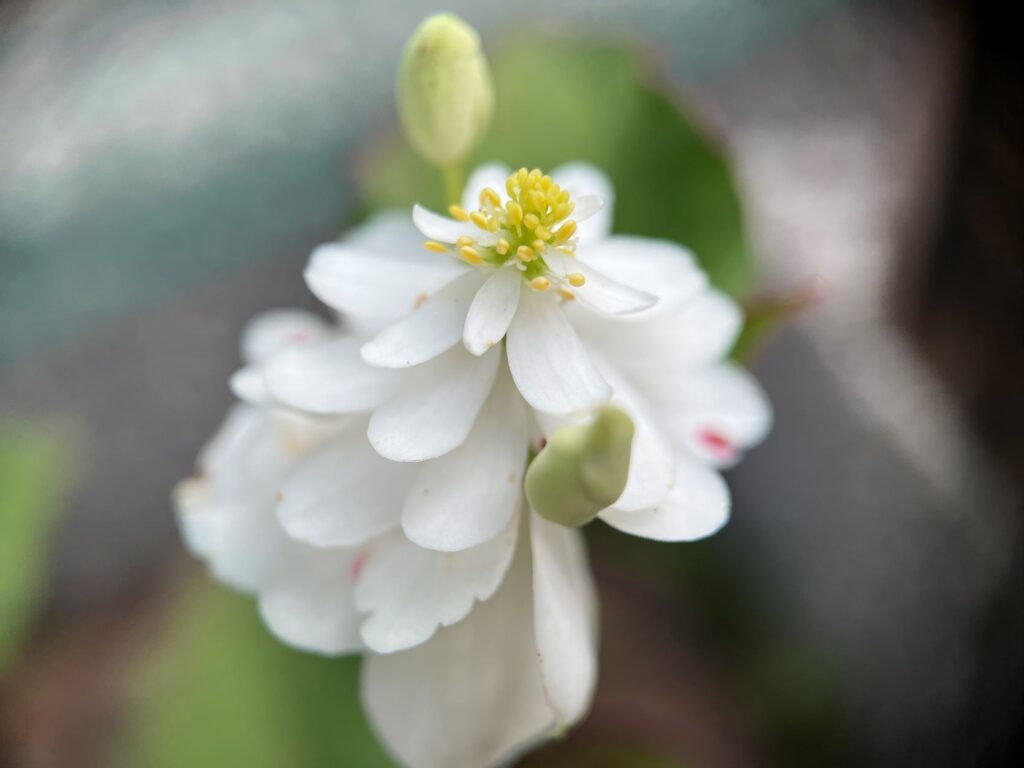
[(534, 219)]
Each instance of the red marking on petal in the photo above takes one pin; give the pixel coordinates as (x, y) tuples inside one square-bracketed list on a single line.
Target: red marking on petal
[(717, 444), (356, 569), (299, 337)]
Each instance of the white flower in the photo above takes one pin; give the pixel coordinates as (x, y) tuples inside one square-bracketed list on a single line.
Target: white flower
[(587, 317), (301, 512)]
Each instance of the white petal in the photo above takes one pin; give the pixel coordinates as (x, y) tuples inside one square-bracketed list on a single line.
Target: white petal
[(309, 603), (343, 494), (491, 175), (652, 461), (664, 348), (714, 412), (468, 496), (249, 385), (492, 310), (387, 232), (600, 292), (696, 507), (409, 591), (328, 378), (382, 285), (594, 196), (272, 331), (435, 407), (659, 267), (472, 695), (550, 366), (430, 330), (565, 612), (440, 228)]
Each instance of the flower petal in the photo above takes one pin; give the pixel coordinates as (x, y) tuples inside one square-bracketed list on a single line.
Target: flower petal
[(549, 364), (342, 494), (430, 330), (491, 175), (328, 378), (270, 332), (714, 412), (409, 591), (480, 674), (565, 615), (594, 197), (492, 311), (385, 285), (249, 385), (435, 406), (468, 496), (659, 267), (441, 229), (600, 292), (696, 507), (309, 603)]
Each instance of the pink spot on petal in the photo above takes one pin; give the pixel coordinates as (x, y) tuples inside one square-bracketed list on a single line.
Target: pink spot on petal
[(356, 569), (299, 337), (717, 444)]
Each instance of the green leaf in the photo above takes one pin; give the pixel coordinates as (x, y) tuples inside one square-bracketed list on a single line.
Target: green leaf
[(29, 490), (563, 102), (221, 691)]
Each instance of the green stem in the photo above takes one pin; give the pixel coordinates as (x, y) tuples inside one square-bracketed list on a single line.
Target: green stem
[(452, 178)]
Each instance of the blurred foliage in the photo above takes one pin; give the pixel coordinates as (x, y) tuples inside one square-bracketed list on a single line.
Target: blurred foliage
[(560, 103), (599, 755), (29, 489), (221, 691), (767, 314)]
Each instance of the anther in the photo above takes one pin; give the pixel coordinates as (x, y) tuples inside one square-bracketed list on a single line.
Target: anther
[(567, 295), (470, 254), (540, 283), (464, 240), (576, 279), (515, 212), (566, 231), (458, 212), (502, 247), (524, 253), (479, 219), (531, 220), (488, 195), (436, 247), (543, 233)]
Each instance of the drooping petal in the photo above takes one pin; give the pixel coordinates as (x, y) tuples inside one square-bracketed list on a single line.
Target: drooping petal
[(435, 406), (468, 496), (384, 286), (409, 591), (492, 311), (696, 507), (430, 330), (480, 674), (328, 378), (343, 494), (249, 385), (594, 197), (491, 175), (565, 616), (549, 364), (270, 332), (662, 268), (600, 292), (714, 412), (309, 602)]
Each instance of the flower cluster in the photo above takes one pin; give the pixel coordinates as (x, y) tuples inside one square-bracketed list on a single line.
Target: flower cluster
[(369, 488)]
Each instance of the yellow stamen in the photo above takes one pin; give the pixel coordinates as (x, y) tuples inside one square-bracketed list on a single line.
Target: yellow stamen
[(531, 220), (566, 231), (538, 246), (524, 253), (502, 247), (542, 233), (458, 212), (565, 249), (576, 279), (488, 195), (492, 225), (540, 283), (515, 212), (567, 295), (480, 219), (464, 240), (470, 254), (436, 247)]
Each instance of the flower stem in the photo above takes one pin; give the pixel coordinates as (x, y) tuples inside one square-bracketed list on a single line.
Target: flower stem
[(452, 177)]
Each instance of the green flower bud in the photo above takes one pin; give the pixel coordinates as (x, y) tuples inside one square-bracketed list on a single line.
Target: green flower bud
[(445, 93), (582, 469)]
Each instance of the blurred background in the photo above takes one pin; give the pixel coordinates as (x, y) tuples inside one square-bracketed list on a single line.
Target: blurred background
[(165, 170)]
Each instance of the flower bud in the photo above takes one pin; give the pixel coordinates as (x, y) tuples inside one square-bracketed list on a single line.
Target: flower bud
[(445, 93), (582, 469)]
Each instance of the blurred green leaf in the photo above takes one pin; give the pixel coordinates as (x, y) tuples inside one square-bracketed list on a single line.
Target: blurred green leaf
[(765, 315), (563, 102), (29, 487), (221, 691)]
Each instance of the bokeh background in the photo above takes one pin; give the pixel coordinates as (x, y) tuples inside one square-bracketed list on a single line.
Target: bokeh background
[(165, 170)]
